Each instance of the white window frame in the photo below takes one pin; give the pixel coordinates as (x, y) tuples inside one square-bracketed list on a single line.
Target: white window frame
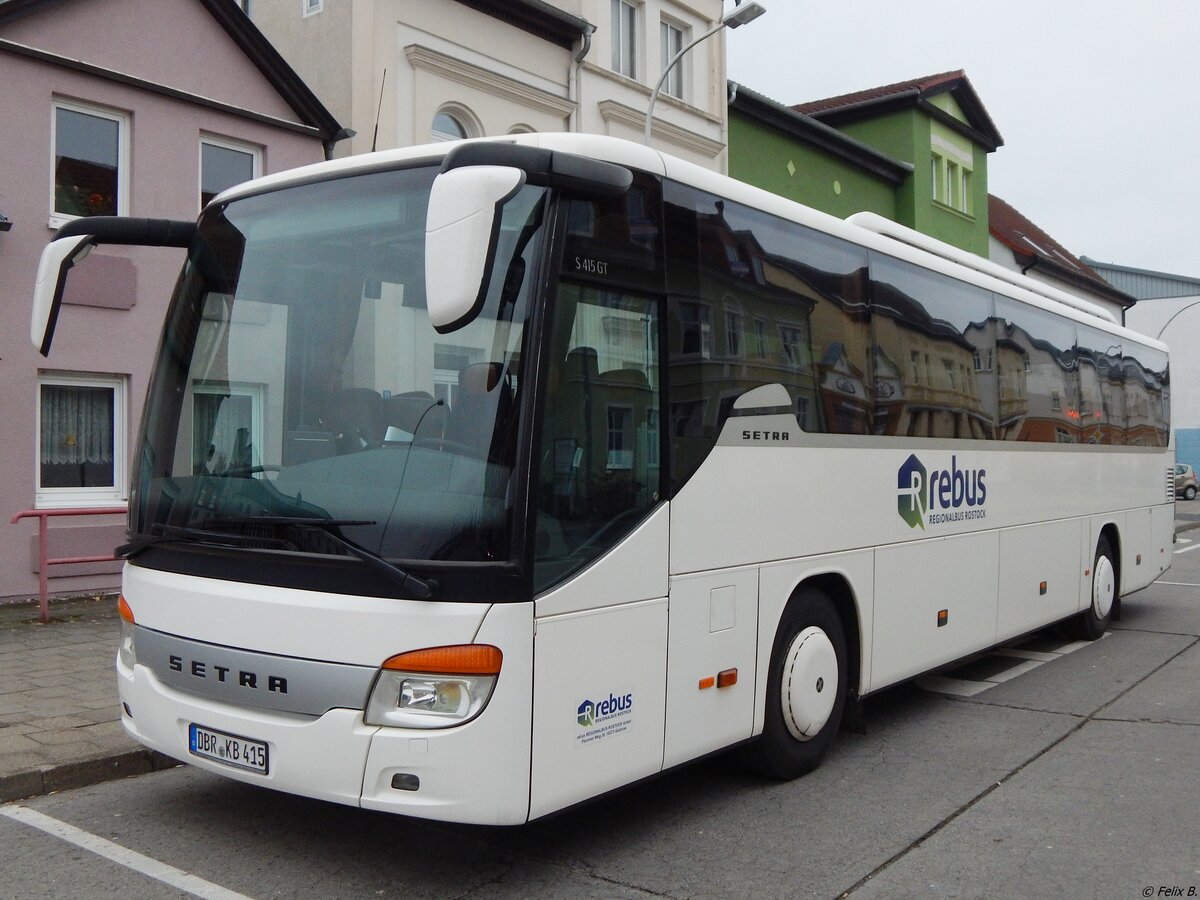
[(311, 7), (619, 459), (252, 150), (255, 392), (626, 47), (675, 84), (58, 219), (65, 497), (464, 118)]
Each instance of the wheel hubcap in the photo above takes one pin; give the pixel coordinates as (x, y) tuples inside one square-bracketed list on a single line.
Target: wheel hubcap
[(1104, 587), (810, 683)]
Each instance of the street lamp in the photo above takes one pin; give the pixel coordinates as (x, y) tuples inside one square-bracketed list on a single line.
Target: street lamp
[(738, 17), (1175, 316)]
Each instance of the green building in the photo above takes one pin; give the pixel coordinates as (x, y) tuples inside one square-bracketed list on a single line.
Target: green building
[(914, 152)]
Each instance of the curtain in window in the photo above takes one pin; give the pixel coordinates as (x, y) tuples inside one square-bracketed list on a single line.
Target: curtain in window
[(76, 437)]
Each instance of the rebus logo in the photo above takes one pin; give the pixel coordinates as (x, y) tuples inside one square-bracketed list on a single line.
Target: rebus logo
[(587, 713), (912, 482), (938, 497)]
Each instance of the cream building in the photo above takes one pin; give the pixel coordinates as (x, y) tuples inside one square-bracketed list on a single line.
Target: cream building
[(403, 72)]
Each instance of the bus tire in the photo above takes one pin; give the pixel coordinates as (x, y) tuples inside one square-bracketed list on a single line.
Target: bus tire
[(806, 689), (1093, 621)]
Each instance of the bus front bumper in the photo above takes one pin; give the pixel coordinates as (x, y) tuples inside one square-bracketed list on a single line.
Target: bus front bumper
[(430, 774)]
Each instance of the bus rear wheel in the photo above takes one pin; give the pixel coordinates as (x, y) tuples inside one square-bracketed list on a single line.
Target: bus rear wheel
[(806, 689), (1093, 621)]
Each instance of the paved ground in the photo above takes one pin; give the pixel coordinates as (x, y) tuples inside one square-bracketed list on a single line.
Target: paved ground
[(59, 722)]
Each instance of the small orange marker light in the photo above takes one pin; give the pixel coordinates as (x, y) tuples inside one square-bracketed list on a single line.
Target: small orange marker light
[(1042, 589), (727, 678), (124, 610), (943, 617), (707, 682)]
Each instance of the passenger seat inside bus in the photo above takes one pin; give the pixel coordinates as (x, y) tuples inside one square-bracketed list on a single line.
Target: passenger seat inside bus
[(356, 419)]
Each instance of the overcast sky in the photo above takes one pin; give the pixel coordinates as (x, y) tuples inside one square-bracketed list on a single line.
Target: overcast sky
[(1098, 101)]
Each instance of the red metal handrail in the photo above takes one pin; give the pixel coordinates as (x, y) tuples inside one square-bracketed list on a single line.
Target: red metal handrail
[(44, 561)]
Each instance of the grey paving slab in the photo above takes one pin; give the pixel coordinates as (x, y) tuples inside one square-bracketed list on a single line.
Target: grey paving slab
[(59, 715), (1175, 607), (921, 759), (1109, 812), (1084, 682), (1172, 694)]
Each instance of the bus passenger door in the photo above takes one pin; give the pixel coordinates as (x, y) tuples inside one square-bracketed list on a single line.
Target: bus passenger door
[(711, 654)]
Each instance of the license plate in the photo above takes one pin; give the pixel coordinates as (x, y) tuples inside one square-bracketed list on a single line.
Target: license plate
[(229, 749)]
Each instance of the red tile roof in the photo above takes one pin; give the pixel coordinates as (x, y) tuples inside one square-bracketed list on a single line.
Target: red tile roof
[(1030, 244), (912, 86), (864, 104)]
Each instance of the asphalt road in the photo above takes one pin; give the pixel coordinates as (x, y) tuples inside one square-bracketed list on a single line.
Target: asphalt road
[(1071, 772)]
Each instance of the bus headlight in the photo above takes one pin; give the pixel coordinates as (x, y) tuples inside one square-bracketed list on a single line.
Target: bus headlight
[(434, 688), (126, 650)]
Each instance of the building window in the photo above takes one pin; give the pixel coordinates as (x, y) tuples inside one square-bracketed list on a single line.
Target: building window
[(81, 440), (312, 7), (951, 183), (733, 333), (672, 42), (620, 438), (90, 163), (449, 127), (696, 322), (624, 38), (224, 164), (227, 427)]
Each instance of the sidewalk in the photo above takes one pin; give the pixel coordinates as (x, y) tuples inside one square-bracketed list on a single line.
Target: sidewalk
[(59, 720)]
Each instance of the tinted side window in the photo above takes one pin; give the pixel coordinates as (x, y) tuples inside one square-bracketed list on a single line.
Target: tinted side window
[(759, 300), (1147, 396), (1101, 387), (1039, 374), (934, 354)]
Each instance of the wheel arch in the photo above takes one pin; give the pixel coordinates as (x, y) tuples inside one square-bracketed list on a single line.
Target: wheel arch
[(836, 586)]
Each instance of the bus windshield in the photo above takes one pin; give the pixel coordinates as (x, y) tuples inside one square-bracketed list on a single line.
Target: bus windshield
[(303, 401)]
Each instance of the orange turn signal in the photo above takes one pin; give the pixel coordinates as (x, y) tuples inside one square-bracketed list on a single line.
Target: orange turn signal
[(727, 678), (124, 610), (706, 682), (460, 659)]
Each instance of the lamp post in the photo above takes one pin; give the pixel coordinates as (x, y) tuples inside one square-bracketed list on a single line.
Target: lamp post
[(1174, 316), (735, 19)]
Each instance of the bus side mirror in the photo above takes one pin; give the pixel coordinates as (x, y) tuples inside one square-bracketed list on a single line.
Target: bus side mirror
[(73, 242), (57, 258), (462, 227)]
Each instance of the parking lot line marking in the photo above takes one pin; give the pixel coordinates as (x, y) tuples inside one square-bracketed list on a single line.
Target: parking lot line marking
[(123, 856), (1186, 549), (1178, 583)]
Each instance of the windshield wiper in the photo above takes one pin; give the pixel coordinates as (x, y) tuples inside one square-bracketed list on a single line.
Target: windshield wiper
[(413, 587), (162, 534)]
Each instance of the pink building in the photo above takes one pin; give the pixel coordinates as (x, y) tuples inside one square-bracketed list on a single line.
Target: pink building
[(122, 107)]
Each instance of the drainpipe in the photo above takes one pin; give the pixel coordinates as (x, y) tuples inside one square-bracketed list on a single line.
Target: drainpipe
[(574, 83), (341, 134)]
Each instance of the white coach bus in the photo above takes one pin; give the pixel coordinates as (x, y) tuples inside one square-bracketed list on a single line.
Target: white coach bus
[(476, 480)]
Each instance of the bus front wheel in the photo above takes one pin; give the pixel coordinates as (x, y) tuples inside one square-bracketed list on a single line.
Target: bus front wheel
[(1093, 621), (806, 689)]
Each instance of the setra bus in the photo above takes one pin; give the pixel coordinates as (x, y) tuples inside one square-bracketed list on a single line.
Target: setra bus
[(477, 480)]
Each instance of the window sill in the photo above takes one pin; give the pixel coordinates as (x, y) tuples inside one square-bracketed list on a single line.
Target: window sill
[(945, 207)]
